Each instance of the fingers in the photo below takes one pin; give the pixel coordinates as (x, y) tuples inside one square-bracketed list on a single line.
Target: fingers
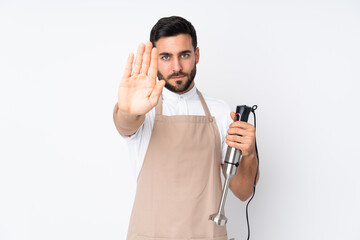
[(238, 131), (241, 135), (237, 145), (240, 124), (154, 64), (241, 132), (246, 146), (155, 95), (138, 60), (146, 59), (128, 66), (238, 139), (241, 128)]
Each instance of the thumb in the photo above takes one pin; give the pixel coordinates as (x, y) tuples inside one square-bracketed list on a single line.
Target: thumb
[(155, 94), (232, 115)]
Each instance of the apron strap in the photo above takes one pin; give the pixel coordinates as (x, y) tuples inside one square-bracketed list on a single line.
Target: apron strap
[(158, 108), (206, 109)]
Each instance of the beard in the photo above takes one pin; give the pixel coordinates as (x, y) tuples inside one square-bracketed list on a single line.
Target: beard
[(179, 87)]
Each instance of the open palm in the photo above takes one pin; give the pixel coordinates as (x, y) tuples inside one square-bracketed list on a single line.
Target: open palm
[(138, 91)]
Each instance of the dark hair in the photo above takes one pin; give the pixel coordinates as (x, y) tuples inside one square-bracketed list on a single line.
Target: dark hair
[(172, 26)]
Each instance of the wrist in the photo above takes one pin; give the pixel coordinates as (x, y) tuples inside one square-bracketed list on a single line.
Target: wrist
[(249, 159), (126, 115)]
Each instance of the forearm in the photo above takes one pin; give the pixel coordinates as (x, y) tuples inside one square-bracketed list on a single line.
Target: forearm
[(242, 184), (126, 124)]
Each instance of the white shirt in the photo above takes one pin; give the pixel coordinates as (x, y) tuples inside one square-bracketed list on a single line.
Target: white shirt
[(178, 104)]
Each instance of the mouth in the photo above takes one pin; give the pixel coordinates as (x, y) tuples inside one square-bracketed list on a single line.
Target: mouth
[(178, 77)]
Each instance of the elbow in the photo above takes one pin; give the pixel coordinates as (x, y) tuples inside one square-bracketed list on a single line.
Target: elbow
[(242, 191), (244, 197)]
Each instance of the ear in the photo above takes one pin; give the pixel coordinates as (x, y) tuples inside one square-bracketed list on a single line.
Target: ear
[(197, 55)]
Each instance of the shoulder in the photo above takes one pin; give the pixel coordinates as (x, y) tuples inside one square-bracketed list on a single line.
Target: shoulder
[(217, 106)]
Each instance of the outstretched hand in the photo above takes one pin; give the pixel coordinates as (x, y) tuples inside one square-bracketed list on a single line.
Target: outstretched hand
[(138, 91)]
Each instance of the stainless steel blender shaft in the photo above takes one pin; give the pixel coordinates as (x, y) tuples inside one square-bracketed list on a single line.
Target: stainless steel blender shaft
[(231, 164)]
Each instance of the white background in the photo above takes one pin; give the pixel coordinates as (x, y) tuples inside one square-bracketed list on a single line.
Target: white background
[(65, 171)]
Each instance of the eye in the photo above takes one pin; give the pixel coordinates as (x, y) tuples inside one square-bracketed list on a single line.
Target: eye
[(185, 55), (165, 57)]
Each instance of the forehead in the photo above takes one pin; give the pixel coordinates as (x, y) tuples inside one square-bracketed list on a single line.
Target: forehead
[(174, 44)]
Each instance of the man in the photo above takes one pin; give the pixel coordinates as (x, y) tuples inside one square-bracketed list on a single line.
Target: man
[(177, 139)]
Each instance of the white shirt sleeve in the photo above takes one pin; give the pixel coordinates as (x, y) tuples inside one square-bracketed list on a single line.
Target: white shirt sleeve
[(139, 141), (136, 134)]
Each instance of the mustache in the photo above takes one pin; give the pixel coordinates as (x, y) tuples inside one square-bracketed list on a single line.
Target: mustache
[(177, 74)]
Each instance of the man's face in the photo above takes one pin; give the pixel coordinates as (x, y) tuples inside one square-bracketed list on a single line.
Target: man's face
[(177, 62)]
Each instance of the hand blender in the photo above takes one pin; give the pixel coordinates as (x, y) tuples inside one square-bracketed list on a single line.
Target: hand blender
[(231, 163)]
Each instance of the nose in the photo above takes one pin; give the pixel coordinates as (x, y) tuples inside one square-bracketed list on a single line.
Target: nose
[(177, 65)]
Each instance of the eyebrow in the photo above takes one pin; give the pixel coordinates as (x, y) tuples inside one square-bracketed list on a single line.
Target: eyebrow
[(169, 54)]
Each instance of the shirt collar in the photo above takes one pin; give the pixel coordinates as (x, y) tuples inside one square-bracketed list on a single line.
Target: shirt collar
[(167, 94)]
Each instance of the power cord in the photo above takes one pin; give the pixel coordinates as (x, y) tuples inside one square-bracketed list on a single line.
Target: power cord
[(256, 174)]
